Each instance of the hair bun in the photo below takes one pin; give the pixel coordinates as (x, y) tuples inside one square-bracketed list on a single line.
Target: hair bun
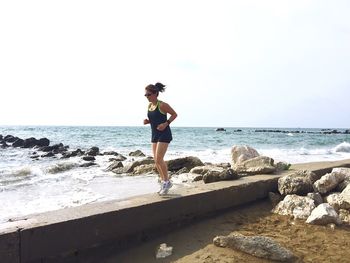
[(160, 87)]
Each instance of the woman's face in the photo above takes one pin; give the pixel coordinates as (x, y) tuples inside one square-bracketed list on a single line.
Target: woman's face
[(150, 95)]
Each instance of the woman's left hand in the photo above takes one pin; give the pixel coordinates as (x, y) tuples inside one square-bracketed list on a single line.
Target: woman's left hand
[(162, 126)]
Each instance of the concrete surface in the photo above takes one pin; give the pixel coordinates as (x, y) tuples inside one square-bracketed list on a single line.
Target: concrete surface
[(62, 235)]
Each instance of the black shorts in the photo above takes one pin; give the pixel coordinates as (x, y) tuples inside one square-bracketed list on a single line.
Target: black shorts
[(162, 136)]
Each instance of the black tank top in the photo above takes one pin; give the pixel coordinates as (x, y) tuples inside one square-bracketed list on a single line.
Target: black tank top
[(155, 118)]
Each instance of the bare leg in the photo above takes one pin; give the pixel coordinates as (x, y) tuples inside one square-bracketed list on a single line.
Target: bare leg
[(161, 149), (154, 150)]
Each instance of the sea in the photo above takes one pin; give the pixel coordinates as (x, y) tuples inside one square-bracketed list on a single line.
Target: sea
[(30, 186)]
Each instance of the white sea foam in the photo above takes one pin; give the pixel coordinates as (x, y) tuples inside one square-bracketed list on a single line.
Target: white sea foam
[(60, 167), (343, 147)]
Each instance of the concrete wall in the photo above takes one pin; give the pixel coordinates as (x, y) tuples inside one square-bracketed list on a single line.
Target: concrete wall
[(43, 237)]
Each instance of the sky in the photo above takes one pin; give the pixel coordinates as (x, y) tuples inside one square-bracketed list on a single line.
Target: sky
[(234, 63)]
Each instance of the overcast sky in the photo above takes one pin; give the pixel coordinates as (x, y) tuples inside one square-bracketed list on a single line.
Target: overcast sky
[(246, 63)]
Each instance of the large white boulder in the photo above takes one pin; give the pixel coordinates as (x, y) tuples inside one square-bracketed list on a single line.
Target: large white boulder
[(328, 182), (299, 183), (323, 214), (295, 206), (241, 153)]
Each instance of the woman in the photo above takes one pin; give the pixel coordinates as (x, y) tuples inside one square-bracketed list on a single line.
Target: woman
[(161, 133)]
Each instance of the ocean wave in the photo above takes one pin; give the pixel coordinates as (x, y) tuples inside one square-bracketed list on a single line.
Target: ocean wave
[(60, 167), (343, 147)]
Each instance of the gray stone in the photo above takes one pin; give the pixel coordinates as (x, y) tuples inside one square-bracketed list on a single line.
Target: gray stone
[(188, 162), (323, 214), (114, 165), (282, 166), (137, 153), (299, 182), (89, 158), (144, 169), (258, 246), (205, 169), (316, 197), (333, 199)]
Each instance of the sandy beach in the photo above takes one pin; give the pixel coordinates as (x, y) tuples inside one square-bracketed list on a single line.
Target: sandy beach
[(193, 243)]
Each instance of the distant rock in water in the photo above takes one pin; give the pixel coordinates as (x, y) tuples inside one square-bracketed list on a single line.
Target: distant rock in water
[(220, 129), (137, 153)]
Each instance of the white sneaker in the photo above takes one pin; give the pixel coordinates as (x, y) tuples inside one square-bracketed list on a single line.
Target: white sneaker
[(161, 187), (167, 185)]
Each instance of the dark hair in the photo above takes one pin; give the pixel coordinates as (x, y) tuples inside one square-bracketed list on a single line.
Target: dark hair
[(156, 88)]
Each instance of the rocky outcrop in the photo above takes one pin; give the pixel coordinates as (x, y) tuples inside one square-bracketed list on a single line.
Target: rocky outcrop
[(322, 215), (258, 246), (257, 165), (299, 182), (240, 154), (129, 168), (188, 162), (93, 151), (295, 206)]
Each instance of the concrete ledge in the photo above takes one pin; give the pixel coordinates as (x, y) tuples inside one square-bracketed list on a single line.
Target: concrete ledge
[(37, 238)]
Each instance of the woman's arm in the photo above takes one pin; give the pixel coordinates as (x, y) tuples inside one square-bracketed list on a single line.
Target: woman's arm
[(165, 107)]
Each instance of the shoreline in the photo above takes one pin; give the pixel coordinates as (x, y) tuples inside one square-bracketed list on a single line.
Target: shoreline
[(127, 222)]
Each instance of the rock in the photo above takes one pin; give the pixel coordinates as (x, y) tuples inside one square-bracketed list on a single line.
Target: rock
[(328, 182), (114, 165), (87, 164), (49, 154), (344, 216), (188, 162), (3, 145), (275, 198), (93, 151), (118, 157), (42, 142), (316, 197), (341, 186), (257, 165), (282, 166), (144, 169), (182, 171), (240, 154), (18, 143), (345, 198), (333, 199), (295, 206), (220, 129), (10, 138), (323, 214), (130, 167), (163, 251), (89, 158), (215, 175), (205, 169), (299, 182), (30, 142), (258, 246), (137, 153)]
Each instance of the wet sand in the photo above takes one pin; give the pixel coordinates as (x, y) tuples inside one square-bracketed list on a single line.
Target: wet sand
[(193, 243)]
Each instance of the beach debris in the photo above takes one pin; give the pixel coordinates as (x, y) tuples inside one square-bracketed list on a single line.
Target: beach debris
[(137, 153), (256, 165), (217, 175), (295, 206), (163, 251), (299, 183), (275, 198), (323, 214), (258, 246), (189, 162), (241, 153)]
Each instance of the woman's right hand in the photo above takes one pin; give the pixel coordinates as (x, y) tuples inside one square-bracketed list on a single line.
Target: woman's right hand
[(145, 121)]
